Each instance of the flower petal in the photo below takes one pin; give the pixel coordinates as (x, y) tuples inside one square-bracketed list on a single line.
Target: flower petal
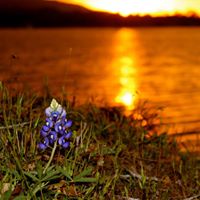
[(54, 104), (55, 115), (59, 127), (48, 111), (43, 133), (59, 109), (61, 140), (68, 124), (52, 137), (68, 135), (63, 113), (43, 145), (66, 144), (49, 122), (45, 128)]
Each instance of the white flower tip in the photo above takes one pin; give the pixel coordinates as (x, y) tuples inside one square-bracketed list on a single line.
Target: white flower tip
[(54, 105)]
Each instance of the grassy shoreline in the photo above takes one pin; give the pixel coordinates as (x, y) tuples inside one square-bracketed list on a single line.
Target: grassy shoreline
[(112, 156)]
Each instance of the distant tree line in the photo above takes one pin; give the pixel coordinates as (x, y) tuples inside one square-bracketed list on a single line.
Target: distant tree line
[(72, 16)]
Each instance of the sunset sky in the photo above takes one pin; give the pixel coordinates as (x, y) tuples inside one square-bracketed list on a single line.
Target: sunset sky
[(153, 7)]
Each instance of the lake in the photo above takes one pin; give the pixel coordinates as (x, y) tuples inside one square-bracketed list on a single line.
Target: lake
[(112, 65)]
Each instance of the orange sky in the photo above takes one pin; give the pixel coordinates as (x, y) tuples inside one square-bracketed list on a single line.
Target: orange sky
[(153, 7)]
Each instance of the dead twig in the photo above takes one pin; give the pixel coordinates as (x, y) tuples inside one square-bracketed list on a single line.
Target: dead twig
[(194, 197), (138, 176), (14, 126), (125, 198)]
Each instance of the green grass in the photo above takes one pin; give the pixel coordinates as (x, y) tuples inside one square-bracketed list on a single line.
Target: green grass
[(111, 156)]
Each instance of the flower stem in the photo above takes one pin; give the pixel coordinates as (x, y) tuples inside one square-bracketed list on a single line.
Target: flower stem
[(51, 158)]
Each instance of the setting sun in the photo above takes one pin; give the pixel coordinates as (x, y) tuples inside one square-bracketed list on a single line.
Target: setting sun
[(134, 6), (141, 7)]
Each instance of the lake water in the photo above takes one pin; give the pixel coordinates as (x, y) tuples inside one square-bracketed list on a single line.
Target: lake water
[(115, 65)]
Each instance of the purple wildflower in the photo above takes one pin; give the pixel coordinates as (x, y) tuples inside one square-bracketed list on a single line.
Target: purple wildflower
[(56, 128)]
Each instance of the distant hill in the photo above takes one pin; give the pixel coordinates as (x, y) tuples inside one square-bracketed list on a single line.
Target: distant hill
[(40, 13), (34, 5)]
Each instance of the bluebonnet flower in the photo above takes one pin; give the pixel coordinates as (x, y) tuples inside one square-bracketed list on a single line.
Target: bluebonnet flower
[(56, 128)]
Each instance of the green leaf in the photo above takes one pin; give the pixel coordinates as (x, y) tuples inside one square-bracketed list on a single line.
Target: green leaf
[(30, 175), (49, 169), (20, 197), (85, 172), (85, 180), (51, 176), (69, 170), (36, 122), (65, 173), (82, 176), (39, 169), (38, 187)]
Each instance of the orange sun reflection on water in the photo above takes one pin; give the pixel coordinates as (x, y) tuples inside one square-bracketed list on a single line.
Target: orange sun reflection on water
[(126, 69), (126, 98)]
